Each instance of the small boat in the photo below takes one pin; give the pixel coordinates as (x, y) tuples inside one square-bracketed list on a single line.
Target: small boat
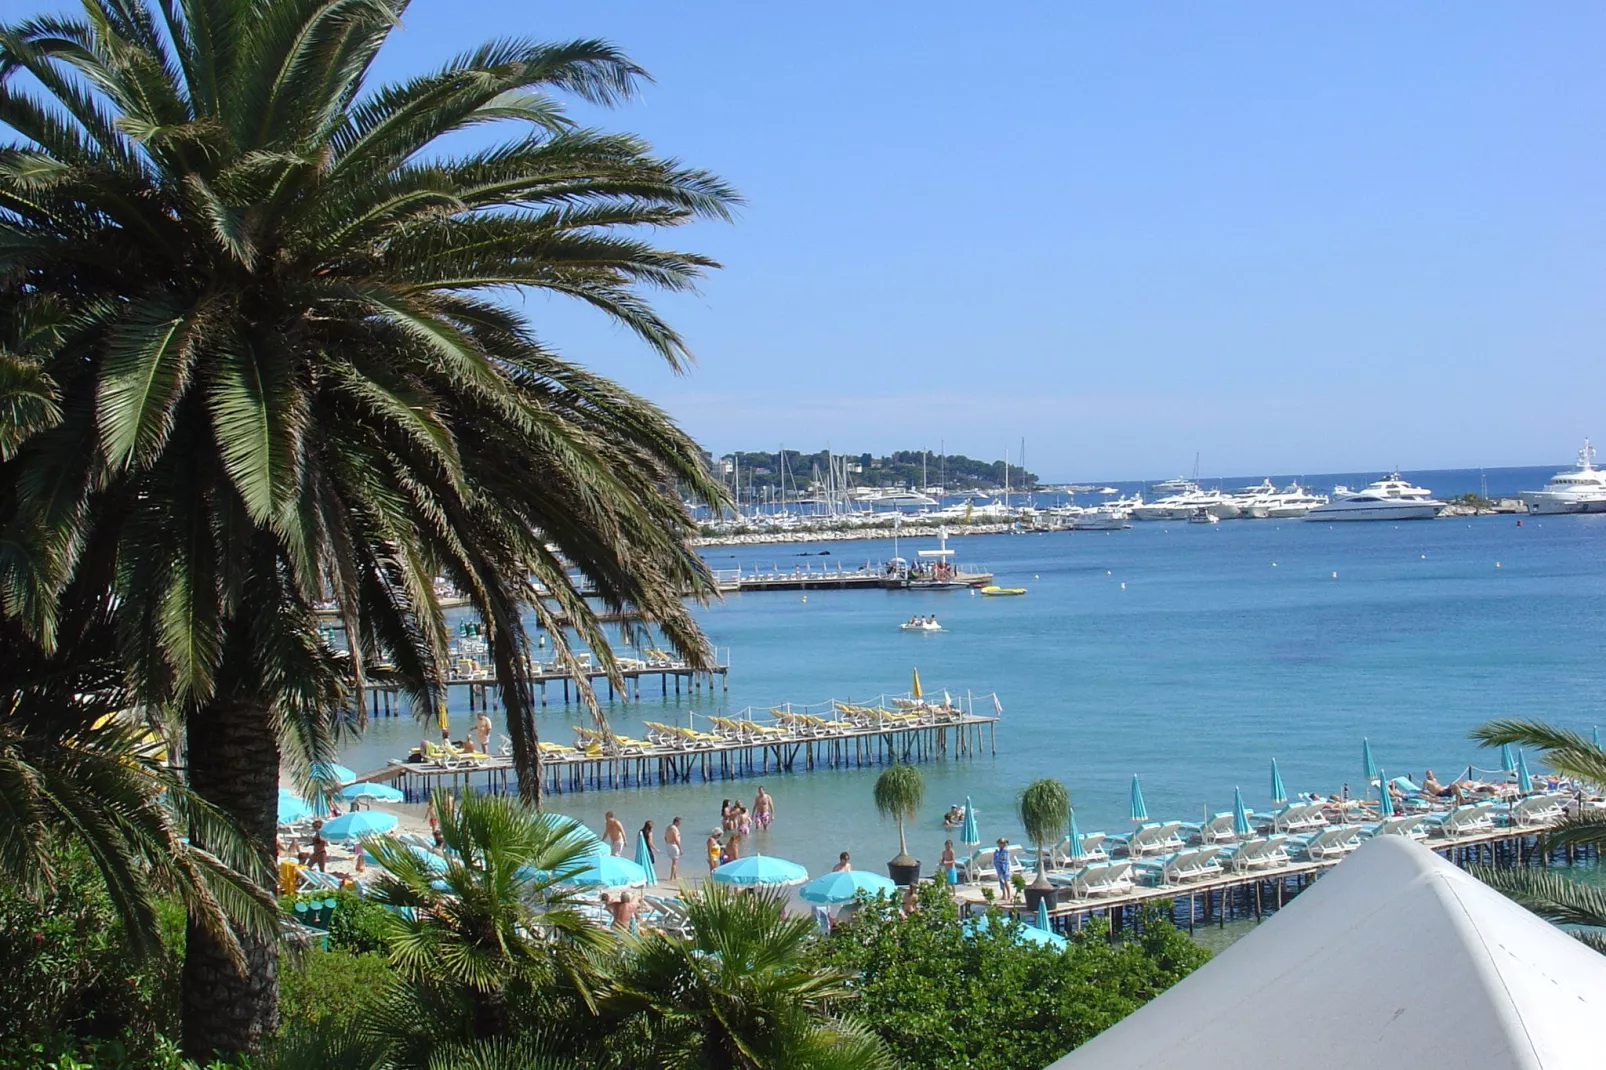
[(920, 626), (995, 590)]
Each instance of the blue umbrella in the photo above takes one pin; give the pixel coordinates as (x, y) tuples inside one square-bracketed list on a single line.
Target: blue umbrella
[(1385, 804), (1042, 915), (292, 808), (1240, 816), (357, 824), (382, 792), (1024, 934), (1279, 794), (588, 839), (1595, 736), (760, 869), (332, 771), (1368, 767), (1076, 837), (609, 871), (432, 861), (1525, 783), (1139, 811), (1508, 761), (644, 859), (969, 835), (845, 885)]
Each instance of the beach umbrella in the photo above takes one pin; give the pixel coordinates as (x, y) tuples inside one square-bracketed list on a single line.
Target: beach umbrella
[(915, 690), (433, 862), (1139, 811), (609, 871), (1042, 915), (845, 885), (644, 859), (1240, 816), (1385, 804), (969, 834), (1279, 794), (1024, 934), (292, 808), (357, 824), (382, 792), (1368, 767), (1595, 737), (1508, 761), (1076, 837), (1525, 782), (760, 869), (441, 718), (332, 771)]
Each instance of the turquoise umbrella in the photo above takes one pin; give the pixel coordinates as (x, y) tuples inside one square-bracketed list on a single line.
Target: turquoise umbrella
[(1279, 794), (1024, 934), (432, 861), (760, 869), (332, 771), (1525, 783), (609, 871), (1595, 736), (1076, 837), (1508, 761), (1368, 767), (1042, 915), (1240, 816), (1385, 805), (357, 824), (644, 859), (969, 834), (1140, 812), (844, 886), (382, 792), (292, 808)]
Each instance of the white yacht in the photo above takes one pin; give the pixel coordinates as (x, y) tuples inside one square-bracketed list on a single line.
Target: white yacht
[(1184, 505), (1391, 498), (1107, 517), (1576, 490), (894, 496)]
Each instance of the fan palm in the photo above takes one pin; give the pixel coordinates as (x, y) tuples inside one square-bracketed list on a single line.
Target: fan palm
[(739, 995), (497, 916), (281, 370), (1554, 896)]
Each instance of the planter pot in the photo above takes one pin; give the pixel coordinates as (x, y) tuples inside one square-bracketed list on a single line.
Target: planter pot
[(1037, 895), (904, 872)]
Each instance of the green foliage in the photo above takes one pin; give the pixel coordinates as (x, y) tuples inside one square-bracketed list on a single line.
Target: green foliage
[(942, 998), (760, 470), (1045, 811), (335, 985), (898, 794), (1559, 898), (358, 924), (1571, 754)]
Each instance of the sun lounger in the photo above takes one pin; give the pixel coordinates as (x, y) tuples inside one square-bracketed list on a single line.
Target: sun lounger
[(1298, 817), (1330, 843), (1536, 811), (1195, 863), (979, 866), (1155, 838), (1466, 820), (1218, 830), (1251, 855), (1101, 878), (1403, 825)]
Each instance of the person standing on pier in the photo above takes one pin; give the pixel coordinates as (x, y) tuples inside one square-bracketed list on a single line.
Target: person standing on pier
[(482, 732), (763, 808), (1001, 865), (614, 833), (672, 847)]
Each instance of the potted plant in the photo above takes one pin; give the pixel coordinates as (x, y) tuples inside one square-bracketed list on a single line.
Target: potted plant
[(1045, 812), (898, 794)]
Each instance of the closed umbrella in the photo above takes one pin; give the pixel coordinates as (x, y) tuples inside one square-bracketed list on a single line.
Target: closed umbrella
[(1594, 736), (1076, 837), (357, 824), (1508, 761), (644, 859), (760, 869), (1368, 767), (1279, 794), (969, 835), (382, 792), (845, 885), (1042, 915), (1525, 783), (915, 690), (1385, 805), (1240, 815), (332, 772), (1139, 811)]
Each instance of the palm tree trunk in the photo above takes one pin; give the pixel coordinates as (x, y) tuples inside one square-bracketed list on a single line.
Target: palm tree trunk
[(234, 764)]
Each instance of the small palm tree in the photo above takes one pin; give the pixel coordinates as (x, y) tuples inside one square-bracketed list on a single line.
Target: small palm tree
[(1045, 811), (1554, 896), (495, 916), (898, 794), (739, 995)]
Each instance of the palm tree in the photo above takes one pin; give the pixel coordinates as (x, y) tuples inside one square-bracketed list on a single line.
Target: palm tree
[(898, 794), (283, 373), (496, 915), (1045, 811), (1554, 896), (739, 995)]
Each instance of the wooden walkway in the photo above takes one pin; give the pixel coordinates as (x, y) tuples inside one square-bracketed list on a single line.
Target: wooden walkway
[(483, 685)]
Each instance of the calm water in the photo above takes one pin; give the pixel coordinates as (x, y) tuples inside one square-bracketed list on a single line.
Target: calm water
[(1228, 645)]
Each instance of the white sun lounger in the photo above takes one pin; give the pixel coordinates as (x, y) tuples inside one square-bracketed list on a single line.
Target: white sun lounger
[(1155, 838), (1195, 863), (1536, 811), (1101, 878), (1219, 829), (1059, 856), (1402, 825), (1330, 843), (1250, 855), (1299, 817), (979, 866), (1464, 820)]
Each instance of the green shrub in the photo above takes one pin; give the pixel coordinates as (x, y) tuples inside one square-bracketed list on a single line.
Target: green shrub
[(357, 924), (316, 985)]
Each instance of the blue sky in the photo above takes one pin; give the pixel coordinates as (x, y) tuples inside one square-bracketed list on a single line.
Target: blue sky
[(1287, 237)]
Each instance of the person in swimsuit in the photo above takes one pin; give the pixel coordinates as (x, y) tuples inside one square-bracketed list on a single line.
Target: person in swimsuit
[(320, 849), (712, 847), (1001, 866), (763, 808), (672, 847), (949, 864), (843, 863), (614, 834), (646, 837)]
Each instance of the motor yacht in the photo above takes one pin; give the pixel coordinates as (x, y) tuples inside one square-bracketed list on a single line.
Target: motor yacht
[(1575, 490), (1390, 498), (1108, 517), (1294, 501), (1182, 506)]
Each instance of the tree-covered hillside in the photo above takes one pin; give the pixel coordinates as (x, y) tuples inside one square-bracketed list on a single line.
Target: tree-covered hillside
[(910, 468)]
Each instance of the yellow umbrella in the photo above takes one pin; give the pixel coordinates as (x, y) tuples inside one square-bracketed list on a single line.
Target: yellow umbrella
[(917, 684), (440, 715)]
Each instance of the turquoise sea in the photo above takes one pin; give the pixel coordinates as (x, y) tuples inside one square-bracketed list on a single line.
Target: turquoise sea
[(1188, 654)]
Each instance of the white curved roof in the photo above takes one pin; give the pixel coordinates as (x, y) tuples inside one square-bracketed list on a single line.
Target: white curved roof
[(1394, 959)]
